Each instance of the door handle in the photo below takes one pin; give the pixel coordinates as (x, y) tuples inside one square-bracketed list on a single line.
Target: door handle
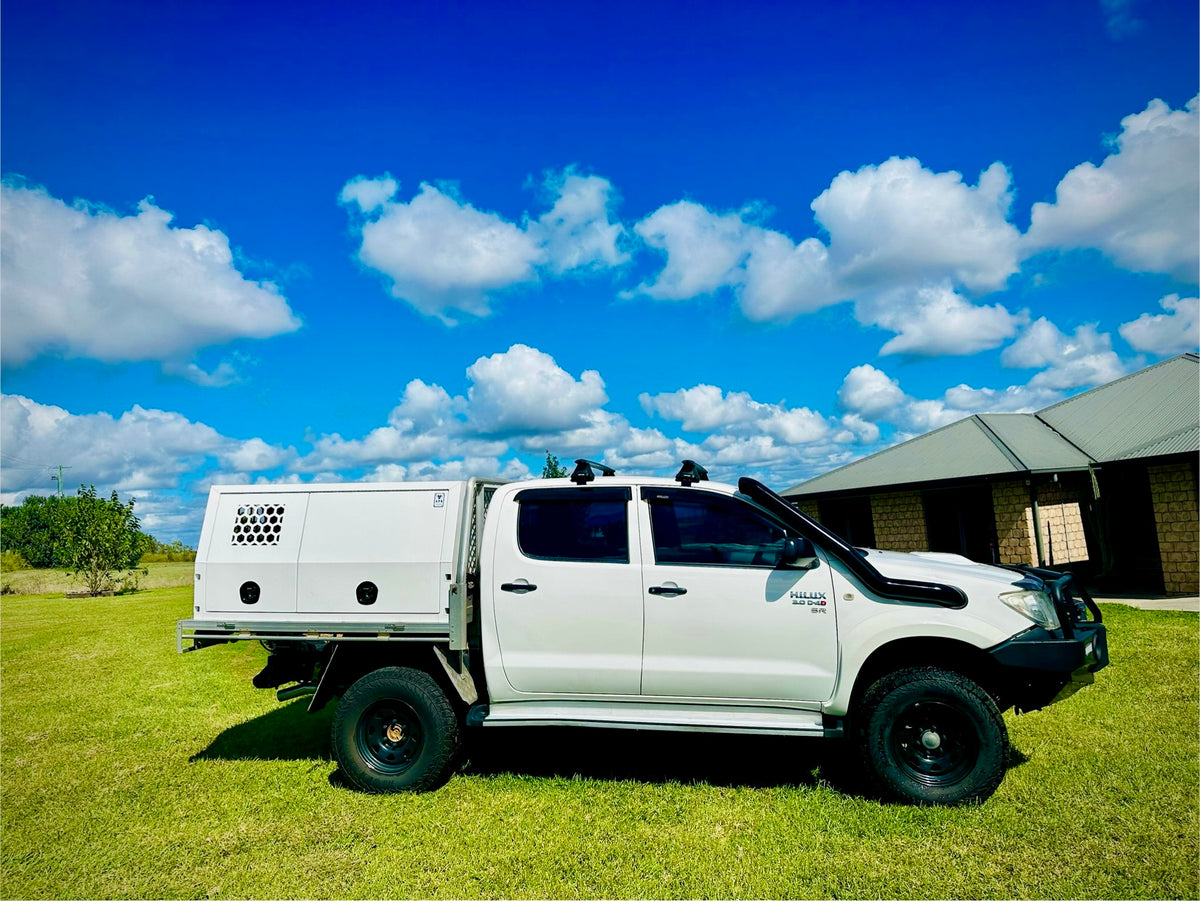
[(669, 590), (519, 587)]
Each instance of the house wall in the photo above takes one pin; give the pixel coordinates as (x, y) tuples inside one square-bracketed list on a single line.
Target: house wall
[(899, 520), (1014, 522), (1061, 517), (1173, 493)]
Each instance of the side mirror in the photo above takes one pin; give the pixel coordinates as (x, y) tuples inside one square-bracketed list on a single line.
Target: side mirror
[(799, 553)]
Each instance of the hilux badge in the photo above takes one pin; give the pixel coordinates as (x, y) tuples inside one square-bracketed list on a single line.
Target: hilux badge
[(809, 598)]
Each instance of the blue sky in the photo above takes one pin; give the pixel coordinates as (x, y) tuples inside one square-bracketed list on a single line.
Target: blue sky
[(261, 242)]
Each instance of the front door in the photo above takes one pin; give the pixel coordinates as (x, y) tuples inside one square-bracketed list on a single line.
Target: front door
[(723, 619), (567, 592)]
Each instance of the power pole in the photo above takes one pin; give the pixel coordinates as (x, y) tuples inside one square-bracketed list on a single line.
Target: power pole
[(58, 478)]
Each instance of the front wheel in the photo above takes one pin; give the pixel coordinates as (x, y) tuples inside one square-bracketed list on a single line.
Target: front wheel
[(394, 730), (931, 736)]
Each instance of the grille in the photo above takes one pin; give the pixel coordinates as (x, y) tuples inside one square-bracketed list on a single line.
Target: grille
[(258, 524)]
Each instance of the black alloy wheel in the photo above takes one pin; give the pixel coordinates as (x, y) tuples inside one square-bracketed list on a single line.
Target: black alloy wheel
[(395, 730), (931, 736)]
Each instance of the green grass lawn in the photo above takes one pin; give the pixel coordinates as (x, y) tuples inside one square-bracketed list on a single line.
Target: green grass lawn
[(58, 581), (127, 770)]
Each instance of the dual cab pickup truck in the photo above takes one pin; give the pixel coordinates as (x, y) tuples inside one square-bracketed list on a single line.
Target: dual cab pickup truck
[(618, 602)]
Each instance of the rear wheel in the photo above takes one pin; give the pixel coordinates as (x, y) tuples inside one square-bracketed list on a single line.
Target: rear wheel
[(394, 730), (931, 736)]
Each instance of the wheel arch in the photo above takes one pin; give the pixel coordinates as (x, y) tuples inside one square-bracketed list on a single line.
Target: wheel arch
[(943, 653), (349, 661)]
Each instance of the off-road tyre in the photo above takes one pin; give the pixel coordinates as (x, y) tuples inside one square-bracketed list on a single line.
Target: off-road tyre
[(931, 736), (394, 730)]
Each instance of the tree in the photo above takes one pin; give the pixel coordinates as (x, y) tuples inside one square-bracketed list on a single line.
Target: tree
[(102, 538), (552, 469), (34, 530)]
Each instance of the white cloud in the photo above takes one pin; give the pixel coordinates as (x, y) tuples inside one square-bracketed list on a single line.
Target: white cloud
[(1013, 399), (369, 193), (439, 252), (870, 395), (140, 449), (576, 233), (445, 257), (524, 390), (1141, 205), (869, 392), (705, 250), (902, 240), (520, 399), (934, 320), (255, 455), (1083, 359), (706, 408), (1174, 332), (899, 223), (703, 408), (83, 281)]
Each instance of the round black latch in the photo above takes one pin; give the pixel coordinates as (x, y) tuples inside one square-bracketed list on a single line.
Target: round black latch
[(249, 592), (367, 593)]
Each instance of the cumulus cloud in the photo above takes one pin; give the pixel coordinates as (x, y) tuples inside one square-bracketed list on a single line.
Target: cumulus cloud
[(903, 241), (518, 399), (443, 256), (524, 390), (704, 250), (869, 392), (140, 449), (83, 281), (439, 252), (577, 232), (870, 395), (1141, 205), (1174, 332), (899, 222), (935, 320), (706, 408), (1084, 359)]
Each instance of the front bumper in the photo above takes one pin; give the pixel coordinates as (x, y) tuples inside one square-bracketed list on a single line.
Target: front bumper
[(1039, 667)]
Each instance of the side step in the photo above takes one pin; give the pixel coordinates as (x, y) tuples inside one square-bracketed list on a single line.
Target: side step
[(673, 717)]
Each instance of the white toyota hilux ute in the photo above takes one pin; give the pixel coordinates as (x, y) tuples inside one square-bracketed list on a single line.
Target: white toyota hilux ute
[(625, 602)]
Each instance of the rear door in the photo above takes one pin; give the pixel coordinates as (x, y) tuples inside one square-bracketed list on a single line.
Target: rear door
[(567, 591), (722, 618)]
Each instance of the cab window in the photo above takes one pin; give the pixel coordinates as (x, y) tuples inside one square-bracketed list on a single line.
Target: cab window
[(698, 528), (574, 524)]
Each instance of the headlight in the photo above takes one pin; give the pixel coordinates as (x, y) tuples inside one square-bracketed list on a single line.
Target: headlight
[(1035, 605)]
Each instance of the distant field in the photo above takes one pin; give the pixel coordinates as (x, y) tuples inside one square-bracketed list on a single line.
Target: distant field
[(132, 771), (60, 581)]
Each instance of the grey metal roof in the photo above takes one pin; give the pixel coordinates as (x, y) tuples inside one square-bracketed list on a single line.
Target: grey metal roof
[(1149, 413), (1037, 448), (1127, 418)]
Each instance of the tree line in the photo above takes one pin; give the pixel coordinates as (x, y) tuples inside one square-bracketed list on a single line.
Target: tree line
[(99, 538)]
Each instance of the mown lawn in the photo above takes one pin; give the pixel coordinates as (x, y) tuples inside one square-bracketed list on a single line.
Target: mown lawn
[(127, 770)]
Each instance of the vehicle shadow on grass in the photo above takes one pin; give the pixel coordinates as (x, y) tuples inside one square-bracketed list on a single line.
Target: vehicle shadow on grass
[(646, 756), (288, 732)]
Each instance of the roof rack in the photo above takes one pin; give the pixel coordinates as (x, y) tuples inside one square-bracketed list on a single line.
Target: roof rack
[(691, 472), (583, 471)]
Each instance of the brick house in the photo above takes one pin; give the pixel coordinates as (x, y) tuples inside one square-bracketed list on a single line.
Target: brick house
[(1103, 484)]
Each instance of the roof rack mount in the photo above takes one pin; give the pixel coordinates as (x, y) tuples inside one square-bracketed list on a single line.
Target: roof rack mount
[(584, 472), (691, 472)]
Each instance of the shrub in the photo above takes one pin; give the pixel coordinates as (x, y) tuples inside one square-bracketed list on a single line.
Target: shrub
[(11, 561)]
